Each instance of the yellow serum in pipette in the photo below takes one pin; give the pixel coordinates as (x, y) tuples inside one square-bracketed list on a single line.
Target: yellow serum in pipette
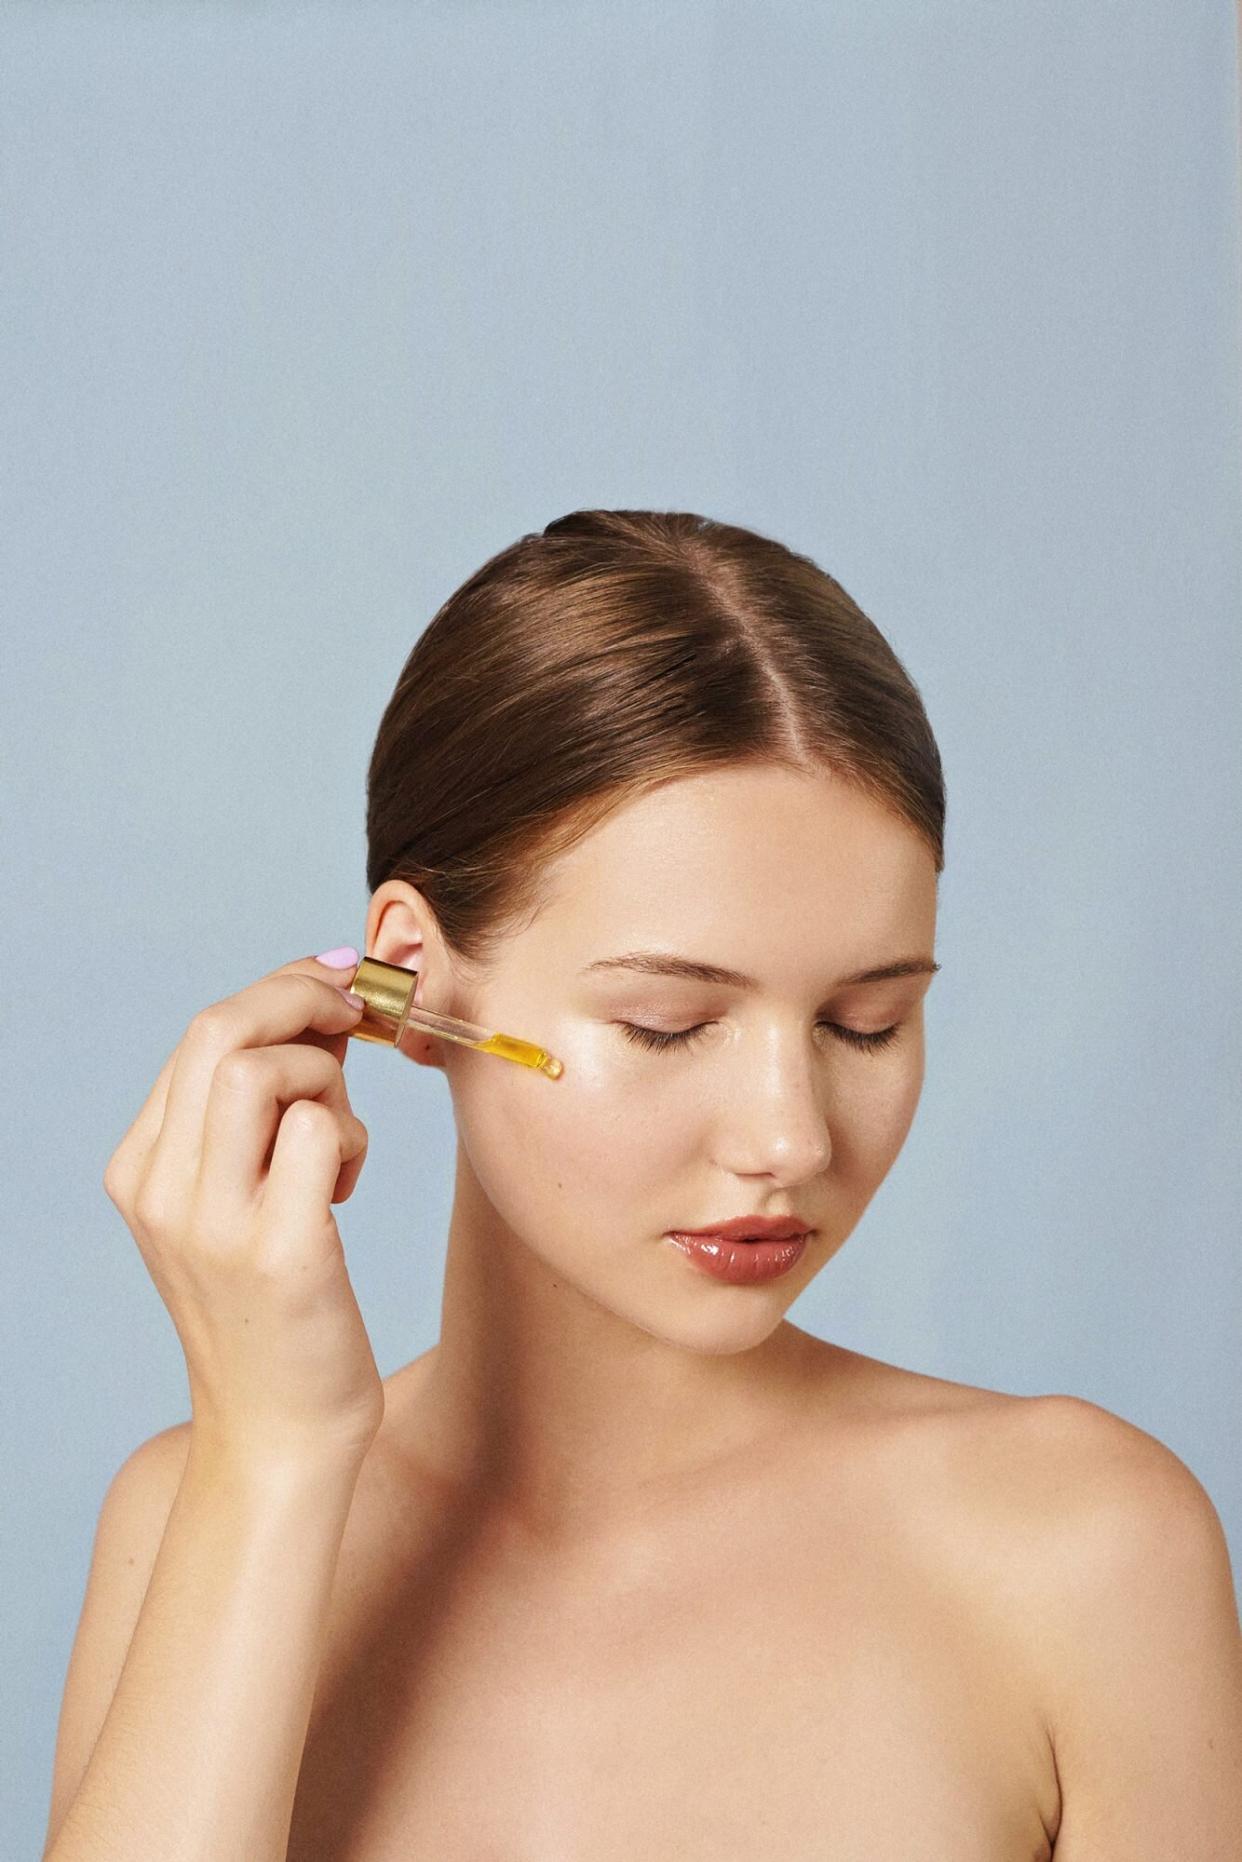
[(526, 1053)]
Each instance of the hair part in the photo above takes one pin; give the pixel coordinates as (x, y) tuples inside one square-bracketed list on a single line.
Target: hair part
[(606, 655)]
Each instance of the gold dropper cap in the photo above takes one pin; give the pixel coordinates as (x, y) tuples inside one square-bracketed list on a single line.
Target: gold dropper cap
[(387, 991)]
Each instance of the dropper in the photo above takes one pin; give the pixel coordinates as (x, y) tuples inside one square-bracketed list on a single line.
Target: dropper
[(387, 991)]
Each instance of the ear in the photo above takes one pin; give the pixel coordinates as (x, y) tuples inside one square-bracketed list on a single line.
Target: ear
[(401, 930)]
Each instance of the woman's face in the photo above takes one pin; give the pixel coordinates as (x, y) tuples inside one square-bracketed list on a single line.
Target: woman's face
[(795, 881)]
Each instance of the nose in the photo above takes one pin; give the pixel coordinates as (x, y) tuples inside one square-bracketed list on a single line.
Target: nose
[(774, 1121)]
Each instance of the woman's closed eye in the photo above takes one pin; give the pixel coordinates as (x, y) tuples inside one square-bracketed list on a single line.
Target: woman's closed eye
[(656, 1038)]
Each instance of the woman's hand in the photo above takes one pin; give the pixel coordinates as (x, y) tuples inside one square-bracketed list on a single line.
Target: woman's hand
[(226, 1180)]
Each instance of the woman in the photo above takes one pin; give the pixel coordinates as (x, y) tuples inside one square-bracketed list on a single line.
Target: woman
[(628, 1564)]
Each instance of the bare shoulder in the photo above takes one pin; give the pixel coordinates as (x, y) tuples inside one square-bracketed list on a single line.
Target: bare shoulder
[(1137, 1644), (139, 1499), (1065, 1492), (1093, 1475), (158, 1457), (1095, 1558), (1056, 1458), (128, 1534), (131, 1526), (1116, 1517), (934, 1412)]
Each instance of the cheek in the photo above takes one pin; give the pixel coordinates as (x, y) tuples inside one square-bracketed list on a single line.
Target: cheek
[(879, 1119), (594, 1141)]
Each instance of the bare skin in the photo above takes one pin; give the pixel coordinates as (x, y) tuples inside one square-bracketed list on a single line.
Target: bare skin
[(814, 1652), (636, 1567)]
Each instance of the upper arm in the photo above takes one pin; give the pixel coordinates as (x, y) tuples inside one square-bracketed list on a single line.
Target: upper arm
[(128, 1535), (1143, 1650)]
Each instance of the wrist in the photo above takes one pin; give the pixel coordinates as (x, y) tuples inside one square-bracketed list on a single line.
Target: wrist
[(248, 1464)]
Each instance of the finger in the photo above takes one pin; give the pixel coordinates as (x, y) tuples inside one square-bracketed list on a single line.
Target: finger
[(274, 1010), (130, 1159), (250, 1091), (310, 1150)]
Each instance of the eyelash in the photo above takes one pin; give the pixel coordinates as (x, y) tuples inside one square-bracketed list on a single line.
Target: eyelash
[(657, 1039)]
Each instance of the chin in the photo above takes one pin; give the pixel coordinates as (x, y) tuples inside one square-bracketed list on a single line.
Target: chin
[(708, 1328)]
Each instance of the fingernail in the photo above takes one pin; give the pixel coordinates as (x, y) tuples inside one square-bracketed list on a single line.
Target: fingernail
[(340, 958)]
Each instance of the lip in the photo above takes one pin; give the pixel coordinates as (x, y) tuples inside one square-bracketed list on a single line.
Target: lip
[(756, 1227), (740, 1262)]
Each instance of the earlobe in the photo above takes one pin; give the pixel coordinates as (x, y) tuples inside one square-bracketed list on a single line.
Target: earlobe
[(425, 1050), (423, 1047)]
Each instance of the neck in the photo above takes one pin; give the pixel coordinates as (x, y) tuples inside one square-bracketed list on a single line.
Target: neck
[(567, 1416)]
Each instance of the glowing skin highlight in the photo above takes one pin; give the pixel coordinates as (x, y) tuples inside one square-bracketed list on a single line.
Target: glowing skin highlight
[(585, 1368)]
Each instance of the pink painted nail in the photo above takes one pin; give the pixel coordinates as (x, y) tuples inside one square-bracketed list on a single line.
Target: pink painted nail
[(339, 959)]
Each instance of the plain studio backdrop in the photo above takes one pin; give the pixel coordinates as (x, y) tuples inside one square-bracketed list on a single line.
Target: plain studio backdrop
[(307, 310)]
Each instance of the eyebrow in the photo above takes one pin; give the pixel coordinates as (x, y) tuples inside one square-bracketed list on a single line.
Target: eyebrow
[(662, 963)]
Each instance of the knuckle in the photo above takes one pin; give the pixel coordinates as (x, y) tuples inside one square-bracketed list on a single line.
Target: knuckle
[(237, 1070), (112, 1181), (210, 1026), (308, 1118), (151, 1206)]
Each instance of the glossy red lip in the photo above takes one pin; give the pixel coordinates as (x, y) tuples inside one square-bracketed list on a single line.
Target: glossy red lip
[(753, 1228)]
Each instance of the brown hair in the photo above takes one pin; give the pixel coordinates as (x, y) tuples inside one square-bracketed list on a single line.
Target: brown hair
[(610, 653)]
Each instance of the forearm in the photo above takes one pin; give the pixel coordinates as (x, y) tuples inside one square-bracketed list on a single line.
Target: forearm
[(199, 1755)]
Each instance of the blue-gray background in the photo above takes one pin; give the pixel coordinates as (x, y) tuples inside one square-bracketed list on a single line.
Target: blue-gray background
[(309, 309)]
